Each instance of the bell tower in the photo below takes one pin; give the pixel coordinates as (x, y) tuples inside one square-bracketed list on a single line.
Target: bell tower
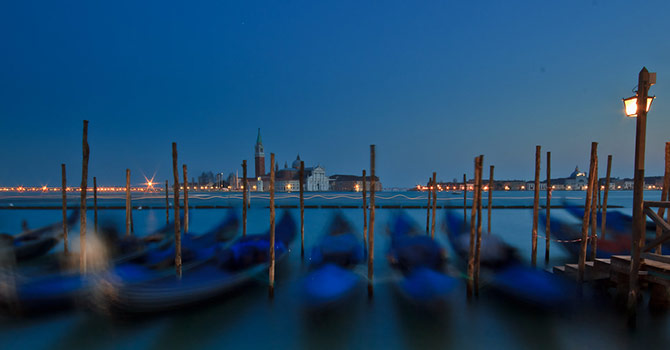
[(259, 156)]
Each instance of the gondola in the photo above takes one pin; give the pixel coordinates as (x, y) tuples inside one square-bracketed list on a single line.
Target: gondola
[(617, 222), (158, 250), (60, 290), (332, 279), (118, 249), (419, 263), (34, 243), (231, 267), (569, 237), (494, 252), (503, 272)]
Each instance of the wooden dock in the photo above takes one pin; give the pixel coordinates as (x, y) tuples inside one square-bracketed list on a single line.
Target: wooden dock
[(654, 274)]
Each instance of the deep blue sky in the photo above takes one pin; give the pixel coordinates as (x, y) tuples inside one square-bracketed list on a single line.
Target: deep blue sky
[(431, 83)]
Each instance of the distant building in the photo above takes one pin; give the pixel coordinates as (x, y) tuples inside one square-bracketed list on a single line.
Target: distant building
[(352, 183), (288, 178), (577, 181), (206, 179), (259, 156)]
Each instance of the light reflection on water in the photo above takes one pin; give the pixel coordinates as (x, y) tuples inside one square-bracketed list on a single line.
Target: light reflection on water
[(247, 318)]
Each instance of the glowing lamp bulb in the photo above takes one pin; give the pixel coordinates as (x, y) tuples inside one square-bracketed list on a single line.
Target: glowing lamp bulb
[(630, 105)]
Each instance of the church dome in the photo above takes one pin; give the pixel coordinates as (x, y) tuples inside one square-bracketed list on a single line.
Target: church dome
[(296, 163), (576, 173)]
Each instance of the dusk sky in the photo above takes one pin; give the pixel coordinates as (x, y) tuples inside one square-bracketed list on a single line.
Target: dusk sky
[(432, 83)]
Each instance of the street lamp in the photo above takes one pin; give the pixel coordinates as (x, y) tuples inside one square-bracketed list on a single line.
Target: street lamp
[(630, 105), (641, 102)]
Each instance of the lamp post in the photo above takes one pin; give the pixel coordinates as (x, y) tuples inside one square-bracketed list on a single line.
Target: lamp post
[(640, 107)]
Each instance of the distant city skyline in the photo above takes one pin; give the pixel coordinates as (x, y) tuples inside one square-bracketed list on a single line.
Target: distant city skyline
[(432, 85), (74, 175)]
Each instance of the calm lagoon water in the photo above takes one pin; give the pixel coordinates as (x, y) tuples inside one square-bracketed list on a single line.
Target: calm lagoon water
[(248, 319)]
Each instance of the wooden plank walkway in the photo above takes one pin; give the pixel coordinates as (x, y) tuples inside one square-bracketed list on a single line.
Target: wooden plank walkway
[(654, 272)]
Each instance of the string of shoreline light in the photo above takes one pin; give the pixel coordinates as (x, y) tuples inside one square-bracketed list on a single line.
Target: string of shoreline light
[(151, 189)]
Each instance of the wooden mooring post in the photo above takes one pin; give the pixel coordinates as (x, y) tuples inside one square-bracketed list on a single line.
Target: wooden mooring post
[(302, 209), (271, 291), (95, 204), (664, 195), (490, 199), (536, 206), (473, 231), (547, 228), (128, 203), (64, 195), (432, 225), (430, 193), (177, 221), (186, 219), (365, 212), (594, 213), (371, 235), (84, 183), (603, 226), (245, 186), (478, 242), (587, 216)]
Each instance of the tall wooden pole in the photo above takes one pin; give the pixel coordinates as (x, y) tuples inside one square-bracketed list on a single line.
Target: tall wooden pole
[(365, 212), (84, 183), (536, 204), (371, 235), (664, 193), (432, 225), (639, 219), (244, 197), (490, 200), (607, 189), (186, 219), (465, 199), (302, 209), (599, 194), (594, 214), (64, 194), (272, 226), (167, 204), (473, 230), (547, 228), (128, 205), (95, 204), (430, 193), (478, 244), (177, 221), (586, 218)]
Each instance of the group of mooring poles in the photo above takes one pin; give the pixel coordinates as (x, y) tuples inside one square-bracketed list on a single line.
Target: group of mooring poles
[(82, 205), (368, 232), (129, 224), (589, 220), (591, 206), (476, 222)]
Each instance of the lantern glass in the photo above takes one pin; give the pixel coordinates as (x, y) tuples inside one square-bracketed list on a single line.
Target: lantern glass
[(630, 105)]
